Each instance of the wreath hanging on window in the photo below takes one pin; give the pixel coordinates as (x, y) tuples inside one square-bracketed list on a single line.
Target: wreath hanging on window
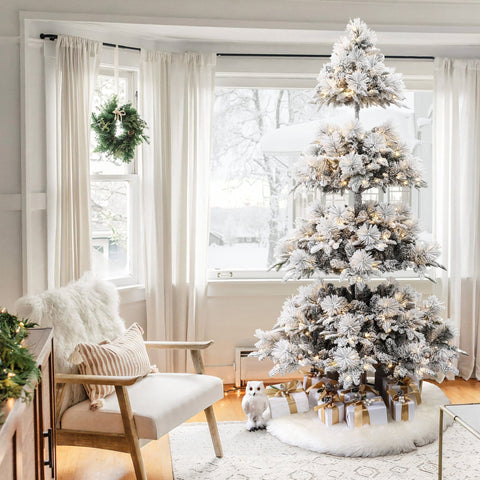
[(119, 129)]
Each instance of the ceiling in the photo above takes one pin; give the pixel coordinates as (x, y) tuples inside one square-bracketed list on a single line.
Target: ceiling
[(393, 40)]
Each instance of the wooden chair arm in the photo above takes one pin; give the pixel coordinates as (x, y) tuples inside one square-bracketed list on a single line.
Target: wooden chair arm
[(194, 348), (96, 379), (179, 345)]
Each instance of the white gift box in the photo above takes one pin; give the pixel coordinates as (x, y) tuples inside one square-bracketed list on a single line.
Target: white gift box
[(354, 396), (390, 383), (393, 387), (377, 412), (415, 392), (315, 393), (327, 414), (286, 404), (308, 380), (407, 407)]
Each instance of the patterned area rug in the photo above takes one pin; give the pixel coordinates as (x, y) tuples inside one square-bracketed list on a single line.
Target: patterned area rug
[(259, 455)]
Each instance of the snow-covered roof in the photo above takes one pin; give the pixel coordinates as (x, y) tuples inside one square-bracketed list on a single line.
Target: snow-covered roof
[(295, 138)]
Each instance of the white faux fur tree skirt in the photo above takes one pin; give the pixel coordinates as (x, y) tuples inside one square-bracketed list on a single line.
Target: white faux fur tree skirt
[(305, 430)]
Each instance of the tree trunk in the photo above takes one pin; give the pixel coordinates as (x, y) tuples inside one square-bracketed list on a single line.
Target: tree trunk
[(274, 233), (274, 180)]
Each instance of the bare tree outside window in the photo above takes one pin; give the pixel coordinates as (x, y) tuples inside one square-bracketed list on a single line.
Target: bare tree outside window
[(249, 208), (251, 204)]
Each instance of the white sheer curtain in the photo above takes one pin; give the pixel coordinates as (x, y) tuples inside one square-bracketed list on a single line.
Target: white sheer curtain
[(177, 92), (76, 63), (457, 198)]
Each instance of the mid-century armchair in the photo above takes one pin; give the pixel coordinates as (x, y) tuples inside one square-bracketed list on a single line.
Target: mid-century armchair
[(142, 408)]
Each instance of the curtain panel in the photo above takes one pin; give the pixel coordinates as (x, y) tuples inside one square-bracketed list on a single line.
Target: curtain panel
[(457, 199), (177, 95), (76, 63)]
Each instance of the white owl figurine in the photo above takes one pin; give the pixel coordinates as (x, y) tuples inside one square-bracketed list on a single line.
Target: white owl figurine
[(255, 406)]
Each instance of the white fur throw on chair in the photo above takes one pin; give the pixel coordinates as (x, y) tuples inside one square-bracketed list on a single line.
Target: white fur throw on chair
[(85, 311)]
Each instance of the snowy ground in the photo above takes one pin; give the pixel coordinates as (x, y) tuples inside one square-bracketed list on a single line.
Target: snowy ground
[(237, 256)]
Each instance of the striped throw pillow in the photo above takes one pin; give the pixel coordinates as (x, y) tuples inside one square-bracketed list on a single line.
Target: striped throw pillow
[(124, 356)]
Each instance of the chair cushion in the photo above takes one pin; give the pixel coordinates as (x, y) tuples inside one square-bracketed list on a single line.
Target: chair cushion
[(124, 356), (160, 402)]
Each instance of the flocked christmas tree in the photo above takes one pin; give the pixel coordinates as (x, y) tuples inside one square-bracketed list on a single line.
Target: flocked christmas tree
[(353, 329)]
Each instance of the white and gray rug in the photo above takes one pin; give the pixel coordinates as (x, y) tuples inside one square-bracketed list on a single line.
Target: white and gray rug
[(260, 456)]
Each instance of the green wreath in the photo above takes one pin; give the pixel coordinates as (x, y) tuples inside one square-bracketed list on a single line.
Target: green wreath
[(120, 145)]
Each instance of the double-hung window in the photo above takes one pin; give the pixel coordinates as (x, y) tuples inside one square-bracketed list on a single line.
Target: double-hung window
[(114, 194), (261, 125)]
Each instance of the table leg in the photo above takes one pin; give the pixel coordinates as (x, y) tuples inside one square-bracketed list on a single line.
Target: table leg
[(440, 444)]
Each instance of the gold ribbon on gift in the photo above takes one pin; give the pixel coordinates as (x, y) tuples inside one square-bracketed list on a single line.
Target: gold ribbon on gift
[(329, 402), (310, 373), (285, 391), (361, 390), (361, 413), (412, 388), (323, 385), (403, 399)]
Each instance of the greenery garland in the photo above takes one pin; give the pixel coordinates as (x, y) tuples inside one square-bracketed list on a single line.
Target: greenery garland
[(18, 369), (120, 145)]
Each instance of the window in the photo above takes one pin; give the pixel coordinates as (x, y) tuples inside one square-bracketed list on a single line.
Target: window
[(258, 134), (114, 195)]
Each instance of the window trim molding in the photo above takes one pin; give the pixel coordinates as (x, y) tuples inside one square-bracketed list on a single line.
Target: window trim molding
[(291, 72), (127, 69)]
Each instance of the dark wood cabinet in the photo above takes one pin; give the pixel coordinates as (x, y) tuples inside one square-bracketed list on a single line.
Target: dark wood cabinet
[(27, 437)]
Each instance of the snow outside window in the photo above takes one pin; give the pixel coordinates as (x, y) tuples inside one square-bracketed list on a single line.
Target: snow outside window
[(258, 135), (114, 195)]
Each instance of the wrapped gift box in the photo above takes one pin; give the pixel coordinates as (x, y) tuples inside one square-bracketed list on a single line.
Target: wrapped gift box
[(387, 384), (286, 399), (407, 385), (325, 386), (393, 390), (403, 408), (412, 387), (357, 393), (311, 378), (371, 411), (331, 411)]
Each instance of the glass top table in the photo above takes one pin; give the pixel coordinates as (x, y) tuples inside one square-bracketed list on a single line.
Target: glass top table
[(467, 415)]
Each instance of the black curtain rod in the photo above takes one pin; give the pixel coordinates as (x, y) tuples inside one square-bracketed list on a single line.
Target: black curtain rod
[(53, 36), (295, 55)]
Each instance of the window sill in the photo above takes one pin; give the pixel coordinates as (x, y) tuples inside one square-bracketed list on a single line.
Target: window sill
[(131, 294)]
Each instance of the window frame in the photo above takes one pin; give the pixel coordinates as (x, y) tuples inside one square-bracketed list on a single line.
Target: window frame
[(135, 276), (301, 73)]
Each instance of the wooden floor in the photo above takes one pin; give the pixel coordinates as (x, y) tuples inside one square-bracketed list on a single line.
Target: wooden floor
[(91, 464)]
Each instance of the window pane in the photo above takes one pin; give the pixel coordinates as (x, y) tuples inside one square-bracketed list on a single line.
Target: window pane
[(251, 177), (258, 135), (110, 218), (104, 90), (399, 195), (372, 195)]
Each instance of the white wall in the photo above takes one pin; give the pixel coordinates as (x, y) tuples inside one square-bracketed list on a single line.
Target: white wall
[(235, 309)]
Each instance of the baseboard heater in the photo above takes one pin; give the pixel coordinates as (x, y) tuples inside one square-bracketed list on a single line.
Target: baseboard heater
[(250, 368)]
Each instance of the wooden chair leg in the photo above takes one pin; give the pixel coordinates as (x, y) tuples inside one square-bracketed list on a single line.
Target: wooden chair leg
[(212, 425), (131, 432)]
